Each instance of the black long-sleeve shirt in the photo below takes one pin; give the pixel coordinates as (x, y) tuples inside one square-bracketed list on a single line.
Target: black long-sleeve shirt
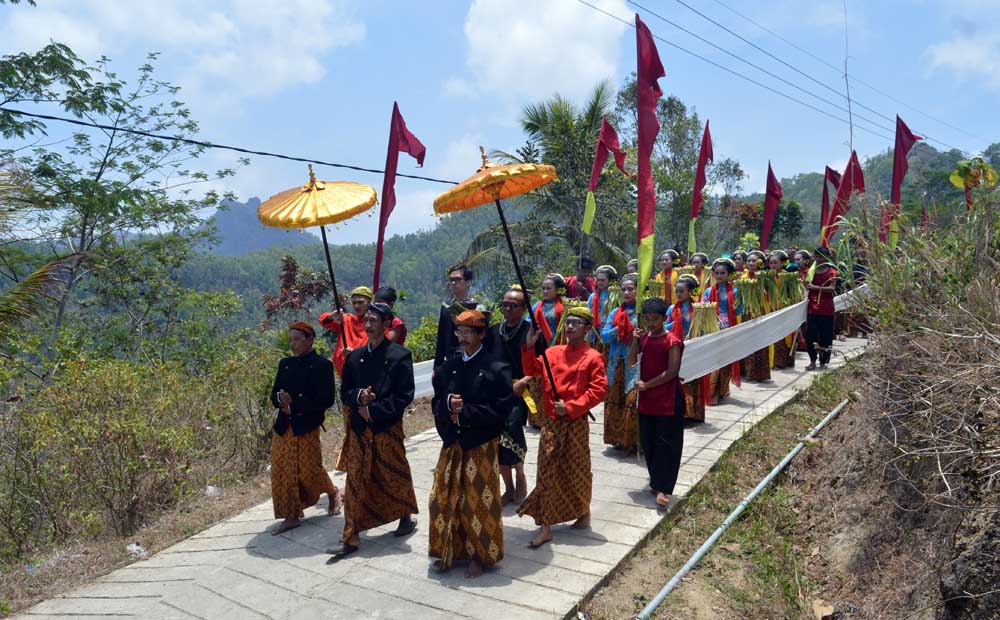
[(486, 388), (308, 378), (388, 370)]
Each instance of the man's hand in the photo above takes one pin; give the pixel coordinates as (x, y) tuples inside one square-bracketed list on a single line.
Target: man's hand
[(363, 412), (337, 315), (640, 385), (366, 396), (560, 407), (455, 404), (347, 351), (532, 338), (285, 400), (521, 384)]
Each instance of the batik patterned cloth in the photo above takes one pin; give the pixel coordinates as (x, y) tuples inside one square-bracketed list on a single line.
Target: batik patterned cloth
[(465, 509), (694, 403), (297, 475), (720, 383), (379, 486), (784, 357), (621, 426), (564, 482)]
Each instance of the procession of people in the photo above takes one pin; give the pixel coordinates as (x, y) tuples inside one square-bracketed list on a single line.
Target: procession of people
[(591, 339)]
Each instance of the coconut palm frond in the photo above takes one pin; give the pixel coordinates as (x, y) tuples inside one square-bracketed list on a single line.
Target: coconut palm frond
[(598, 105), (29, 297)]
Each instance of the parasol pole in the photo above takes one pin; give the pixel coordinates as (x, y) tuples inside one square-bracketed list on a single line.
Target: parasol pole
[(333, 281), (524, 289)]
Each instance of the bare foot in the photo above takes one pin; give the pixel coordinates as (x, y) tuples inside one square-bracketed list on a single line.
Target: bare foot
[(284, 526), (811, 366), (335, 503), (582, 523), (544, 535), (521, 493), (474, 570), (507, 497), (662, 500)]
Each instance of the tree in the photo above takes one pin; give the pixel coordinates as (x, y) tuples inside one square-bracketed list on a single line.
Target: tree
[(121, 203)]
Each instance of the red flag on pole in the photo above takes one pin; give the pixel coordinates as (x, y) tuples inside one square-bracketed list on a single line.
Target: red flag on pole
[(705, 155), (649, 70), (772, 195), (831, 177), (905, 139), (607, 142), (400, 139), (853, 180)]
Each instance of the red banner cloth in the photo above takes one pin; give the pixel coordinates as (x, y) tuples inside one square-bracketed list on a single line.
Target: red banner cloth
[(705, 155), (905, 139), (400, 140), (772, 195), (607, 142), (853, 180), (648, 70)]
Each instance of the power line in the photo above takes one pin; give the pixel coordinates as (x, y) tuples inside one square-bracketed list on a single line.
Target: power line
[(213, 145), (755, 66), (796, 69), (733, 72), (837, 69)]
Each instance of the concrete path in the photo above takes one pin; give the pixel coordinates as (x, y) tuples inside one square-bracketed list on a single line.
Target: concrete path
[(237, 570)]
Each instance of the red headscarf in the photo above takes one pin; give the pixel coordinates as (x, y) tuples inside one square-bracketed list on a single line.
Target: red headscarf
[(624, 324)]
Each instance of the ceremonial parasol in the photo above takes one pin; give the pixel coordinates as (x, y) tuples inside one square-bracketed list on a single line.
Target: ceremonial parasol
[(491, 183), (318, 203)]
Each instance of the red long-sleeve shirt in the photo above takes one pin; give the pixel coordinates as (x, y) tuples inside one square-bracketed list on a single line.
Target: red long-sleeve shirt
[(579, 375)]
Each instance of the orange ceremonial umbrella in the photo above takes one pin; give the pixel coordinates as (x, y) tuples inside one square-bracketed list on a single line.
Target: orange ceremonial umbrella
[(318, 203), (491, 183)]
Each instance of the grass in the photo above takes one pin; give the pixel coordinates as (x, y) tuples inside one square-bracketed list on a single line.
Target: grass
[(756, 568)]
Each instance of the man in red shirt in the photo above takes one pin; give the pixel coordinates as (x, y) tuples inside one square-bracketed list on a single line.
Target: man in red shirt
[(582, 284), (353, 333), (661, 399), (396, 332), (564, 482)]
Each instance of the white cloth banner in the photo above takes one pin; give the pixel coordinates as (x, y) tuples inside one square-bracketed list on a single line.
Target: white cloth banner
[(714, 351)]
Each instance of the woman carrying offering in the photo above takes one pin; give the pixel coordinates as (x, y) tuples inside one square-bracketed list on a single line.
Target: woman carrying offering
[(620, 422)]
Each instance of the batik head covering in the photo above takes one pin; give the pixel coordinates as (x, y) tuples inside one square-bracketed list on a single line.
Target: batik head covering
[(303, 327), (362, 291), (581, 312), (381, 309), (471, 318)]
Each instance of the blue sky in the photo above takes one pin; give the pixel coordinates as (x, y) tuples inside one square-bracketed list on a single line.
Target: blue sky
[(317, 78)]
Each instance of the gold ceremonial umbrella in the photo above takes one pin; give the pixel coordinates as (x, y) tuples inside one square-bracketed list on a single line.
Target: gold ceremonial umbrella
[(317, 203), (491, 183)]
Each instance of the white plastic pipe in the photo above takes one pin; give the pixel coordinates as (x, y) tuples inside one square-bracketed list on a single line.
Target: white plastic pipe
[(700, 553)]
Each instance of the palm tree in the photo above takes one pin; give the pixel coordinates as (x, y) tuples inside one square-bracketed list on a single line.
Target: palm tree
[(28, 297), (547, 231)]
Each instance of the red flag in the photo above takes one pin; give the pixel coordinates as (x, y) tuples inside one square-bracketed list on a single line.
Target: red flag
[(889, 213), (831, 177), (905, 139), (852, 181), (772, 195), (649, 70), (400, 139), (606, 141), (705, 155)]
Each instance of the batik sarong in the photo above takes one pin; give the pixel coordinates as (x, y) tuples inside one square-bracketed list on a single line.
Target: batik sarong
[(379, 487), (297, 475), (621, 426), (564, 481), (465, 510)]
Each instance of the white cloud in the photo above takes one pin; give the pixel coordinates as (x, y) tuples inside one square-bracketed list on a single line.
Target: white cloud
[(557, 46), (225, 51), (973, 57)]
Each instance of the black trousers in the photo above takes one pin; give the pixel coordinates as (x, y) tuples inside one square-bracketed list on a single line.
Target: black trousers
[(819, 328), (662, 440)]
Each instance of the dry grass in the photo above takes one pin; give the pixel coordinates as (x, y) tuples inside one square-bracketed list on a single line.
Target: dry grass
[(73, 565)]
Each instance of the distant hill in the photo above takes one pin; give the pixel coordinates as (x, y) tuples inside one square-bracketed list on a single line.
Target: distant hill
[(240, 232)]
